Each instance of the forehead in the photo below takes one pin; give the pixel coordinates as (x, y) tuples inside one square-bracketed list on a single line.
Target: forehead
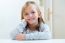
[(30, 8)]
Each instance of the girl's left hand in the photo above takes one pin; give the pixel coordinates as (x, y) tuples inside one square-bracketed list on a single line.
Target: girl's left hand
[(20, 36)]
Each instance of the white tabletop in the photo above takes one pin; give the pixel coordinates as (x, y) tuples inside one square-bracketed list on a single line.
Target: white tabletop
[(33, 41)]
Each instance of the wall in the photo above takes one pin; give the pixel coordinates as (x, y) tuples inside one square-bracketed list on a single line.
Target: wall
[(58, 19)]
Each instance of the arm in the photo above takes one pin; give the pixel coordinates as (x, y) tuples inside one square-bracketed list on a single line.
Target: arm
[(19, 29), (14, 33), (46, 34)]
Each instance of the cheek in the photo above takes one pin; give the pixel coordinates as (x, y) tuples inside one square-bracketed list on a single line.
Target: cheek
[(36, 16), (25, 17)]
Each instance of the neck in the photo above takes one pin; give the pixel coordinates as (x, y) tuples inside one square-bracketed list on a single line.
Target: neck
[(33, 26)]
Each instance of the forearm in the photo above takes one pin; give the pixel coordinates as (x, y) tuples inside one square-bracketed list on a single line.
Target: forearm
[(38, 36)]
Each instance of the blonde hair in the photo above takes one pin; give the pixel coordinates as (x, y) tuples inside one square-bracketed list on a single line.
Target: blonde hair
[(40, 19)]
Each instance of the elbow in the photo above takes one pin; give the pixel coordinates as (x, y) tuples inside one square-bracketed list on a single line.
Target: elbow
[(48, 36), (12, 36)]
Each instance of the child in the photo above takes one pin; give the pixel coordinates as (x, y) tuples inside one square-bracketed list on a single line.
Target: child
[(32, 26)]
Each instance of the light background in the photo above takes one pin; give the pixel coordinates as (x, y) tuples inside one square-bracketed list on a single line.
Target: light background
[(10, 16)]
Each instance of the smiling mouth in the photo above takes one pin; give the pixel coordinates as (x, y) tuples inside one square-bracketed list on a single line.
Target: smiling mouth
[(31, 19)]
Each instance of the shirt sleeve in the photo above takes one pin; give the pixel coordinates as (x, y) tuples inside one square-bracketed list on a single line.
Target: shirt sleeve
[(19, 29), (45, 34)]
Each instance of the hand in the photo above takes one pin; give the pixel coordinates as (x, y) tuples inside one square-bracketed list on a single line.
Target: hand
[(20, 36)]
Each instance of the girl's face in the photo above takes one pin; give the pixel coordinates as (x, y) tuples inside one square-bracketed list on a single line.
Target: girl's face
[(31, 14)]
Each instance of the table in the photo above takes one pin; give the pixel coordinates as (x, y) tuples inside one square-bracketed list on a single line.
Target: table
[(33, 41)]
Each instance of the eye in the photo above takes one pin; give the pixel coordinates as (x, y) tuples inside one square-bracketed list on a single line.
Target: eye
[(32, 12), (26, 14)]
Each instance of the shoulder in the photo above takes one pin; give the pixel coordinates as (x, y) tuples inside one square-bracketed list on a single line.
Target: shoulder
[(22, 23), (21, 26), (44, 26)]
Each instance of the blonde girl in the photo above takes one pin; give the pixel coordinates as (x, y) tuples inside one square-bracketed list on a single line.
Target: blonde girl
[(32, 26)]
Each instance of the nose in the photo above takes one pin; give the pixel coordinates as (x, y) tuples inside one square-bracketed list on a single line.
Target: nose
[(30, 15)]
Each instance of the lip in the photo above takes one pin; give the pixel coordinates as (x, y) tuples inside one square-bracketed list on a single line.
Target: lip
[(30, 19)]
